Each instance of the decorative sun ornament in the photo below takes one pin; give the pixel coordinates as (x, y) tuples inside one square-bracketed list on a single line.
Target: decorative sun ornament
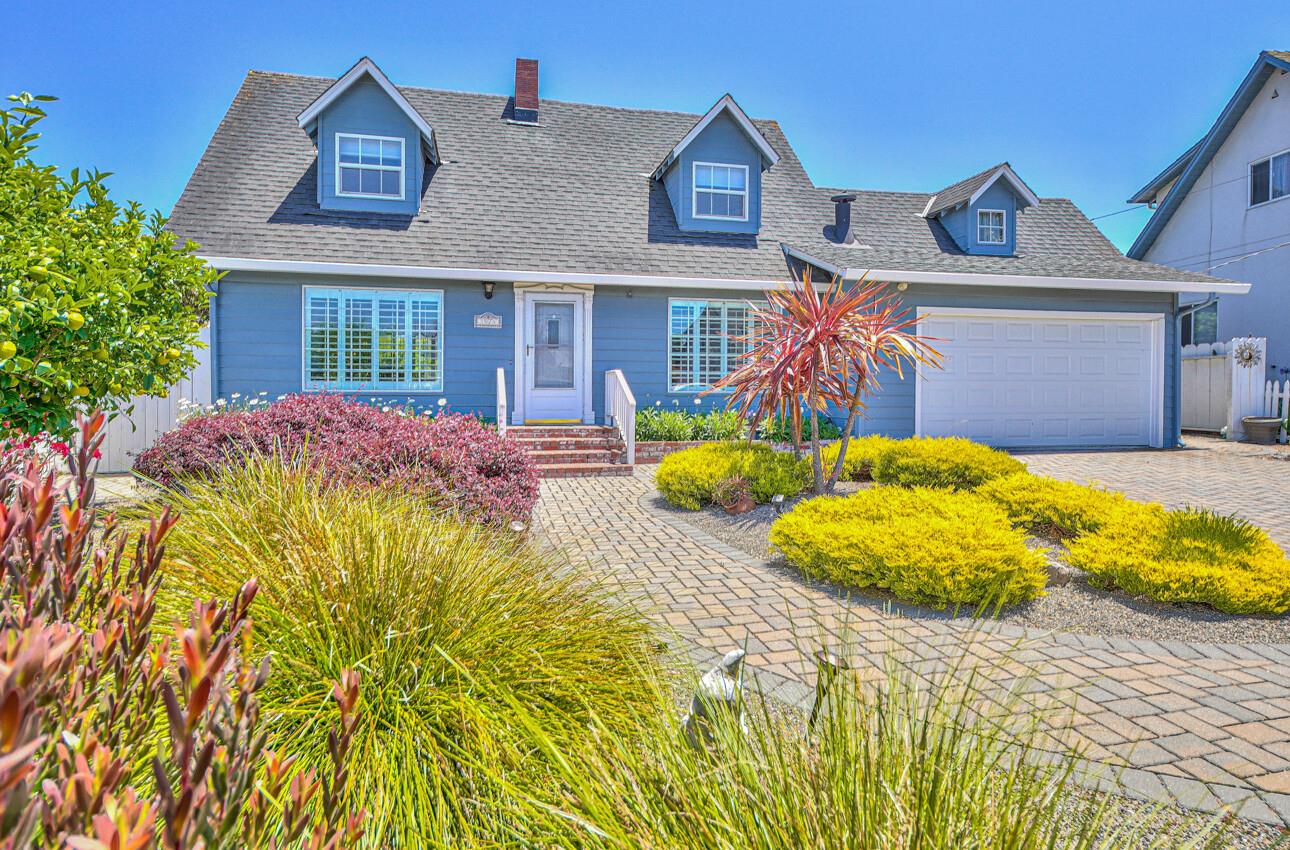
[(1247, 354)]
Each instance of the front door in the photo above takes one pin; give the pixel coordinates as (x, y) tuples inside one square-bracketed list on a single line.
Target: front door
[(553, 357)]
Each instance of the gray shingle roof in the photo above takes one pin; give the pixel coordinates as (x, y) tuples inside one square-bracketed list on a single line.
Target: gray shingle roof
[(570, 195), (953, 195)]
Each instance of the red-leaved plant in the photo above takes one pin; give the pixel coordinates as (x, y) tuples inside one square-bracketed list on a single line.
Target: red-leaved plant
[(809, 349), (84, 678), (452, 459)]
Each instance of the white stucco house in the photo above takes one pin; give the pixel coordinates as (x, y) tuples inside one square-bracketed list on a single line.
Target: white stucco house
[(1223, 208)]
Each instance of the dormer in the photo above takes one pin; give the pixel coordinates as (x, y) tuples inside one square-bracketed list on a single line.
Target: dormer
[(980, 213), (373, 146), (713, 174)]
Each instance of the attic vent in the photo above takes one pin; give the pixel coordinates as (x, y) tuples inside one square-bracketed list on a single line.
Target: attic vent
[(526, 91), (842, 218)]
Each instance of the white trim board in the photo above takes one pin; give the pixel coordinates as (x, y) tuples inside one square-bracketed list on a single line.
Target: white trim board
[(352, 76), (401, 169), (1156, 321), (520, 370), (695, 190)]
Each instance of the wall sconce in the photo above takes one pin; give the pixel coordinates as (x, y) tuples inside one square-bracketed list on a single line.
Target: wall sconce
[(489, 286)]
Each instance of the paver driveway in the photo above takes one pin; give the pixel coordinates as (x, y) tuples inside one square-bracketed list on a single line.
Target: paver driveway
[(1201, 724)]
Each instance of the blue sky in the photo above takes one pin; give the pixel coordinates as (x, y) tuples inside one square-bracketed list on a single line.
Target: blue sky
[(1088, 100)]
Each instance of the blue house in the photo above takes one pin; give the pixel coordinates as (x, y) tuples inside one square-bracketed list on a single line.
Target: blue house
[(507, 253)]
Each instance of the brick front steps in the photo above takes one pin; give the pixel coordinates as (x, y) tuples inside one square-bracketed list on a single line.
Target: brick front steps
[(572, 451)]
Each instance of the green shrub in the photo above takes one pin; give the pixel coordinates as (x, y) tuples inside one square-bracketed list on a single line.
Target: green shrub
[(862, 454), (928, 546), (951, 462), (688, 478), (1188, 556), (1056, 508), (674, 425), (777, 430), (448, 623), (721, 425)]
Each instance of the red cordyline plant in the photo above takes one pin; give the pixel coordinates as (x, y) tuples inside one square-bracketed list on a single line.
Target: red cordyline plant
[(811, 349), (84, 680)]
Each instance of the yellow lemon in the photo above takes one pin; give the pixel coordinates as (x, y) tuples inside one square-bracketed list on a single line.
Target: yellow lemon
[(75, 321), (7, 350)]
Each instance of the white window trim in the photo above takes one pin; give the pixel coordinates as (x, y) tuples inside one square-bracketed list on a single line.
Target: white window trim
[(694, 191), (1003, 230), (401, 168), (1249, 185), (672, 389), (373, 387)]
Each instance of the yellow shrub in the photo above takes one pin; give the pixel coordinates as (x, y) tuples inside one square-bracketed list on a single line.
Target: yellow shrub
[(942, 462), (862, 453), (928, 546), (1188, 556), (1058, 508), (689, 477)]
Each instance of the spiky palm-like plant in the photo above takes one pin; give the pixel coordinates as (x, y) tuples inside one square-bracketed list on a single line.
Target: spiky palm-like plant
[(811, 347)]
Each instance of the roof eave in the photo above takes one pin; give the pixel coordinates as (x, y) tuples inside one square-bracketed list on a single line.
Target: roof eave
[(1147, 194), (725, 104)]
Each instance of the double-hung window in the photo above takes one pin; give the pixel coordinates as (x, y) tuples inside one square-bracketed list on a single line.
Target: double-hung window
[(1270, 179), (720, 191), (1200, 327), (990, 227), (705, 341), (373, 339), (369, 166)]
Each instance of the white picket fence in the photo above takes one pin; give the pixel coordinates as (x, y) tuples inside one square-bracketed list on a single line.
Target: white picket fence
[(1276, 402), (130, 433)]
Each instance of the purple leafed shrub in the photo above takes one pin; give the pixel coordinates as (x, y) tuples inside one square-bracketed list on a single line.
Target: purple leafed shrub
[(453, 459)]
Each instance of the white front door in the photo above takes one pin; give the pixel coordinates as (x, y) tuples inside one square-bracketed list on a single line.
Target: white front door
[(553, 357)]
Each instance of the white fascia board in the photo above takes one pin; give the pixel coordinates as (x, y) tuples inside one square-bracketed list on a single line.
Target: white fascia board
[(1019, 186), (726, 104), (1044, 282), (352, 76), (368, 270)]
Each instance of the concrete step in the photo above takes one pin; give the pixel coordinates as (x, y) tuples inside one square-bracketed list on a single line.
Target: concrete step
[(582, 470)]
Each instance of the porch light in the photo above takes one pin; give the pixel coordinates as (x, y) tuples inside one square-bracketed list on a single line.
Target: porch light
[(489, 286)]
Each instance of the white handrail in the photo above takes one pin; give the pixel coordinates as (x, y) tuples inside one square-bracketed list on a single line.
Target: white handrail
[(503, 412), (620, 408)]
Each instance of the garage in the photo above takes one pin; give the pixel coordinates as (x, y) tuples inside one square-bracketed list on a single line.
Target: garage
[(1030, 378)]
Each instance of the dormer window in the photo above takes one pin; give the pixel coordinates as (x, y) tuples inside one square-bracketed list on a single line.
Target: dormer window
[(720, 191), (369, 166), (990, 227)]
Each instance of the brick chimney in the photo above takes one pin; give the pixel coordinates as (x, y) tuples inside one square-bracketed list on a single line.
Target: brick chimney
[(526, 91)]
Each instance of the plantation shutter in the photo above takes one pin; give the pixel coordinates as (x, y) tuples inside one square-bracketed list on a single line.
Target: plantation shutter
[(373, 339), (703, 342)]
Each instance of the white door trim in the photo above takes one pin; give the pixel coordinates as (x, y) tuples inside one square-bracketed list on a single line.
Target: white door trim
[(520, 372), (1156, 320)]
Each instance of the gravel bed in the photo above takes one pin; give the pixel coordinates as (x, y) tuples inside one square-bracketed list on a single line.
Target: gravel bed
[(1075, 607)]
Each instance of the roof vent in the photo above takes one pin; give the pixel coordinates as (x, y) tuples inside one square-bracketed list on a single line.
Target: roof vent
[(526, 91), (842, 218)]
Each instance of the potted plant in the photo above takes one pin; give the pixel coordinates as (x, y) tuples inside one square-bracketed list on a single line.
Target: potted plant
[(1261, 429), (734, 494)]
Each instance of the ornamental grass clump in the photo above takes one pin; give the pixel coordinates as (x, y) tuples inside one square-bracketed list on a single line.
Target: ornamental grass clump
[(934, 547), (1060, 509), (1188, 556), (951, 462), (448, 622), (689, 478)]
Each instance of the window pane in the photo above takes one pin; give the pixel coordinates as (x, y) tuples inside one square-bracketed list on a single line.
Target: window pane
[(391, 341), (348, 149), (389, 182), (425, 341), (358, 340), (1259, 182), (703, 176), (349, 179), (704, 203), (371, 182), (390, 154), (711, 327), (736, 205), (1204, 328), (1280, 176), (737, 178), (370, 153), (323, 340)]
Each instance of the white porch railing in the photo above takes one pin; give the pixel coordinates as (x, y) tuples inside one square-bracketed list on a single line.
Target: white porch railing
[(620, 410), (1276, 402), (503, 409)]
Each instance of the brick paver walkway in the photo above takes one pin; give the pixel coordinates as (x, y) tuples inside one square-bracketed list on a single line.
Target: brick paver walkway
[(1205, 725)]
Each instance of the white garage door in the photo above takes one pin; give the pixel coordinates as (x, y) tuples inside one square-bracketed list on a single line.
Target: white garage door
[(1037, 378)]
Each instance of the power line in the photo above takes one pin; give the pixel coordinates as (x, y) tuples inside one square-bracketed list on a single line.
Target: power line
[(1227, 252), (1247, 256), (1118, 212)]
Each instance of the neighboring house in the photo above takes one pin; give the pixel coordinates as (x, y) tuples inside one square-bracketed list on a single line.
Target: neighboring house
[(405, 243), (1223, 207)]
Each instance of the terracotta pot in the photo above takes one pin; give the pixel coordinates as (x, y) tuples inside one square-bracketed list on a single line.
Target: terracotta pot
[(1261, 429), (743, 506)]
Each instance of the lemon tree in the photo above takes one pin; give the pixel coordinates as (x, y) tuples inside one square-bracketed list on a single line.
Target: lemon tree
[(98, 302)]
